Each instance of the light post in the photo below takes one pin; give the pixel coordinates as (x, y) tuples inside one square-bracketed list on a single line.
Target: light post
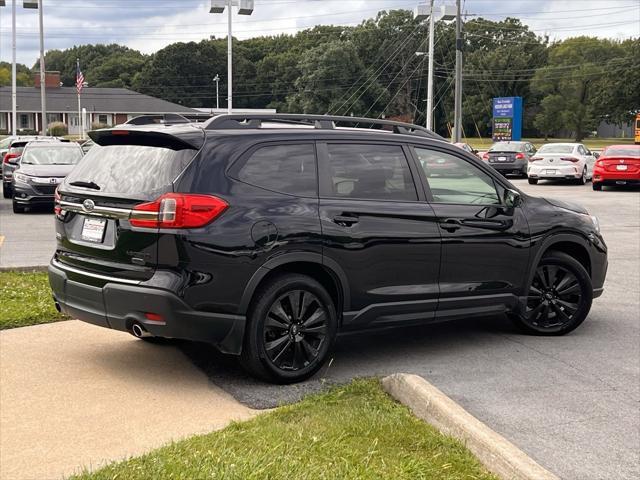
[(217, 80), (423, 12), (245, 7), (14, 88), (37, 4)]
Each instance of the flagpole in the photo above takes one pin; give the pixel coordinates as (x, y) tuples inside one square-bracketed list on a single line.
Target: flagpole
[(80, 122)]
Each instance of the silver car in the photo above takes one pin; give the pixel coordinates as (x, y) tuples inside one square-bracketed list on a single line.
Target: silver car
[(10, 150)]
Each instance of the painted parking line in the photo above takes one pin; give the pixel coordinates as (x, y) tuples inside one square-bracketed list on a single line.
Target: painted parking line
[(1, 240)]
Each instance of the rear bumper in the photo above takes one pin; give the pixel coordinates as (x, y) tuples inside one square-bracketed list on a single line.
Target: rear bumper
[(615, 178), (119, 305), (517, 167), (559, 171)]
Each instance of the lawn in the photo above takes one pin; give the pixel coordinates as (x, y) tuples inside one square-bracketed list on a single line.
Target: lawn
[(354, 431), (26, 300), (595, 142)]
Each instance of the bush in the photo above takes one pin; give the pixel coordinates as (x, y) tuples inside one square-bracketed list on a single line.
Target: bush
[(58, 129), (98, 126), (27, 131)]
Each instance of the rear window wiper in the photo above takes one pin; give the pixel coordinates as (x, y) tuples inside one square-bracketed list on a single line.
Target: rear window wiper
[(91, 185)]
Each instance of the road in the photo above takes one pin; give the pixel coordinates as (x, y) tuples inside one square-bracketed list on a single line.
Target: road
[(572, 403)]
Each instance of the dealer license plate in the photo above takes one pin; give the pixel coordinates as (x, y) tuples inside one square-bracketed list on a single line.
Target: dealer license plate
[(93, 229), (502, 159), (621, 167), (550, 172)]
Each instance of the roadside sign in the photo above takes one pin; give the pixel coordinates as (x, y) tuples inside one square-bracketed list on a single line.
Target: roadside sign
[(507, 118)]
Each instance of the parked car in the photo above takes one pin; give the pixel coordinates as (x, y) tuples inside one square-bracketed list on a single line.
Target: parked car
[(86, 145), (562, 161), (42, 166), (510, 157), (617, 165), (267, 235), (10, 150)]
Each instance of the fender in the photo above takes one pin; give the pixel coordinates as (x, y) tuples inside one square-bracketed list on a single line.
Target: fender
[(295, 257)]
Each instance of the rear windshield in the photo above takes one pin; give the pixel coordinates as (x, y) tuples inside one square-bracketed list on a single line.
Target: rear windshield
[(556, 149), (506, 147), (132, 170), (622, 152), (51, 155)]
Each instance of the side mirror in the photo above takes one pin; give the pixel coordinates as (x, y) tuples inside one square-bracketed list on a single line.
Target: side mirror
[(474, 151), (511, 198), (596, 154)]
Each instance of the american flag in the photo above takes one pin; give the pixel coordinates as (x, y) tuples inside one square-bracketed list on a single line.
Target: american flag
[(79, 79)]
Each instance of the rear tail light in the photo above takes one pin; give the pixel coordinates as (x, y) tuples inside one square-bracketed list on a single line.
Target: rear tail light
[(569, 159), (519, 156), (485, 156), (10, 156), (599, 163), (177, 210), (535, 159), (57, 209)]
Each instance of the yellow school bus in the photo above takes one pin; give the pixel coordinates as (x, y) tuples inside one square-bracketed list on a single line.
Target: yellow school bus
[(637, 138)]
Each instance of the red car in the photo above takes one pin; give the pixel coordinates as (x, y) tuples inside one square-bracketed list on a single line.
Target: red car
[(617, 165)]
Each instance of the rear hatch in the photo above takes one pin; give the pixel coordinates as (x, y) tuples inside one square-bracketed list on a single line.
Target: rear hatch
[(96, 223)]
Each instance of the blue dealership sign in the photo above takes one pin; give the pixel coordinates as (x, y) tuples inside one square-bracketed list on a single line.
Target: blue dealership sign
[(507, 118)]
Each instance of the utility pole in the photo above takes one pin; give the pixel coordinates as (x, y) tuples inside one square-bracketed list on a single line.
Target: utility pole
[(457, 122), (217, 80), (230, 61), (43, 94), (14, 88), (430, 79)]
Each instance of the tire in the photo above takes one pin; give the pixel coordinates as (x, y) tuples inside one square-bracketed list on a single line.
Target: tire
[(17, 208), (559, 297), (308, 336), (6, 190), (597, 186), (583, 178), (533, 181)]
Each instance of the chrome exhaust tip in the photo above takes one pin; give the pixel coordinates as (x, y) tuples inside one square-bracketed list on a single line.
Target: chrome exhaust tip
[(139, 331)]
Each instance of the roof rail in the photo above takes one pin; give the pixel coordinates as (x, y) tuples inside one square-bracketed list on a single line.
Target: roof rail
[(165, 119), (237, 121)]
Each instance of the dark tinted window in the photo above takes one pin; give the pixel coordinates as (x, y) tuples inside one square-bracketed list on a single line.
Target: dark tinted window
[(282, 168), (132, 170), (376, 172), (630, 151), (454, 180)]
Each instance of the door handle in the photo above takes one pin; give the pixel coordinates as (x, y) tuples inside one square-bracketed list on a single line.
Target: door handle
[(345, 220), (488, 224), (451, 224)]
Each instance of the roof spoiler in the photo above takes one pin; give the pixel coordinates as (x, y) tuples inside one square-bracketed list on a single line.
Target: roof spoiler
[(161, 119), (147, 138)]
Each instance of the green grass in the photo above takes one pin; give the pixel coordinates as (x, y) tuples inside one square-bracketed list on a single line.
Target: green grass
[(26, 300), (351, 432), (595, 142)]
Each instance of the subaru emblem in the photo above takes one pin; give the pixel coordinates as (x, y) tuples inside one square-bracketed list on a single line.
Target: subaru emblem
[(88, 205)]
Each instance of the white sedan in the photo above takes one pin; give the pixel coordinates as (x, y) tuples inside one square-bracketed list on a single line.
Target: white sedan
[(561, 161)]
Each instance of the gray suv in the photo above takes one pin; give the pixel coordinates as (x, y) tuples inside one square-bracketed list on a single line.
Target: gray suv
[(10, 150), (42, 166)]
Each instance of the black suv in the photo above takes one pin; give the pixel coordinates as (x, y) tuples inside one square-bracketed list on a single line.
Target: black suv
[(267, 235)]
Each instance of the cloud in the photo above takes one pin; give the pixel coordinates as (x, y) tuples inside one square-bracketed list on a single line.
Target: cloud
[(149, 25)]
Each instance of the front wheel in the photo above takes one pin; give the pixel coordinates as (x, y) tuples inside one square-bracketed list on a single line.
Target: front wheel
[(291, 329), (533, 181), (6, 190), (17, 208), (559, 296)]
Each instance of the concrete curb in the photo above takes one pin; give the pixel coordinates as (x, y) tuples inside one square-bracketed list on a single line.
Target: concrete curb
[(35, 268), (496, 453)]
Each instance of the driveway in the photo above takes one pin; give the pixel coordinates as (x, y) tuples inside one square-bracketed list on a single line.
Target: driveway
[(76, 395), (572, 403)]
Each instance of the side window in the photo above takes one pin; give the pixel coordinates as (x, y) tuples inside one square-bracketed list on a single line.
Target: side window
[(454, 180), (373, 172), (581, 150), (283, 168)]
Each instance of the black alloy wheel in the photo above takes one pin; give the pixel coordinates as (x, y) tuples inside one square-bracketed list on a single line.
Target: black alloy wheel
[(559, 296), (291, 330)]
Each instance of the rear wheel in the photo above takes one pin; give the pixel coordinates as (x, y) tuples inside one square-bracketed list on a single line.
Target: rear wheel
[(597, 186), (17, 208), (559, 296), (533, 181), (583, 178), (292, 327)]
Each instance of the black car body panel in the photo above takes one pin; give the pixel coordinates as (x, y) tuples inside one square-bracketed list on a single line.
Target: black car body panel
[(385, 261)]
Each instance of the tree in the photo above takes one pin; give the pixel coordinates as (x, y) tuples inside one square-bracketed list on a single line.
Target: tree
[(24, 76), (571, 76)]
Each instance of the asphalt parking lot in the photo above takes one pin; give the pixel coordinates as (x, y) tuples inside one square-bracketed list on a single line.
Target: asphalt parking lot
[(572, 403)]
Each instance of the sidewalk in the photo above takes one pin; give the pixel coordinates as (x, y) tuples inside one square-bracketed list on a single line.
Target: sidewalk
[(74, 395)]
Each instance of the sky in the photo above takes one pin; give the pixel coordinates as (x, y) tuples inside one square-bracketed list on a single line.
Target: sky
[(149, 25)]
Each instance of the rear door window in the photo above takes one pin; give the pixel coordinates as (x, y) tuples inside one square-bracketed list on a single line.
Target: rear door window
[(133, 171), (371, 172), (289, 169)]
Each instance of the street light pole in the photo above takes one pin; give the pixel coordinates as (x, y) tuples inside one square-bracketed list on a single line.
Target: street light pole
[(217, 80), (457, 122), (230, 59), (43, 94), (430, 78)]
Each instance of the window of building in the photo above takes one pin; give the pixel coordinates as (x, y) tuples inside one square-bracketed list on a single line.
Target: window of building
[(103, 119), (374, 172), (24, 120), (282, 168)]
